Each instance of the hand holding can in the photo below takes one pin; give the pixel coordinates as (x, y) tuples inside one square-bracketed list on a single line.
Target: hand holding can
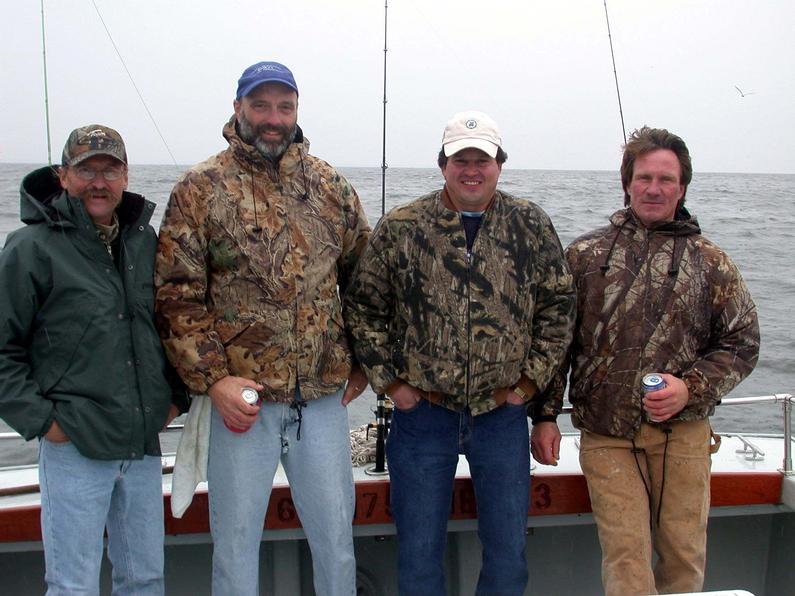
[(652, 382), (251, 397)]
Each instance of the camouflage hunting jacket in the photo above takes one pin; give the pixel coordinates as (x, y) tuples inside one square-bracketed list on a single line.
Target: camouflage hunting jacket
[(422, 310), (663, 299), (250, 258)]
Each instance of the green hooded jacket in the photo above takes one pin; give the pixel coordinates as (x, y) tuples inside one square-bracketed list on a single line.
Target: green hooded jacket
[(77, 338)]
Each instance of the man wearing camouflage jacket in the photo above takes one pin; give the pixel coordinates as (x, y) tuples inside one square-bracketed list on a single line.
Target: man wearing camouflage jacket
[(255, 246), (460, 308), (654, 296)]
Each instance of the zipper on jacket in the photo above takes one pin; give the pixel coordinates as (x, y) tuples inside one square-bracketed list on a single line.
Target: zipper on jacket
[(469, 324), (468, 259), (295, 348)]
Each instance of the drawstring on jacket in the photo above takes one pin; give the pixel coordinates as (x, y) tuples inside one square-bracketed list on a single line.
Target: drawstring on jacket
[(603, 268), (256, 228), (635, 450), (673, 268), (298, 405), (676, 253)]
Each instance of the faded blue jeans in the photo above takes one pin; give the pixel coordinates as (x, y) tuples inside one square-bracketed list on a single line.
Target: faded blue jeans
[(318, 466), (80, 498), (422, 450)]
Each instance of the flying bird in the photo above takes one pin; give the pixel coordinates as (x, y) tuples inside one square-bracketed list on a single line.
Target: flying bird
[(743, 94)]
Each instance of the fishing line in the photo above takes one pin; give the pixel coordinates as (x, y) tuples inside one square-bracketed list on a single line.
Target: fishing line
[(129, 75)]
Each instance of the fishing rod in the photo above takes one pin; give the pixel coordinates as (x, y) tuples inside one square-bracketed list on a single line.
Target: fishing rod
[(383, 132), (383, 407), (46, 94), (615, 75)]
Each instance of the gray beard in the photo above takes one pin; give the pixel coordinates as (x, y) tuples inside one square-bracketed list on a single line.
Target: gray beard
[(251, 135)]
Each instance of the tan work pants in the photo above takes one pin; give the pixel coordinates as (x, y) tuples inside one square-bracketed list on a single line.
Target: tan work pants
[(621, 507)]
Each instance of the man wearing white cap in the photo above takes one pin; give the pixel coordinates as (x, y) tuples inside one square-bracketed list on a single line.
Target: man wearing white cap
[(461, 309)]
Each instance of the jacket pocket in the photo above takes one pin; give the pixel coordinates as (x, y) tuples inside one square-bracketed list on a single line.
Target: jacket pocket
[(145, 297), (54, 348)]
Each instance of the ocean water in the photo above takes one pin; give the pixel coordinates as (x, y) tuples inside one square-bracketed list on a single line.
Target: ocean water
[(751, 216)]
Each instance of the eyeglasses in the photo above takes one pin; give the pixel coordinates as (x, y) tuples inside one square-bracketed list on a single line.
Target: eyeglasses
[(109, 174)]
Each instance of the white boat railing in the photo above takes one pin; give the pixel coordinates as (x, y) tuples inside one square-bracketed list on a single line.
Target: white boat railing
[(785, 399)]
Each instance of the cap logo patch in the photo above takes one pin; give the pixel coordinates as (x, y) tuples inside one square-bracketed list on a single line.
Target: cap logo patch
[(471, 124), (96, 139), (270, 67)]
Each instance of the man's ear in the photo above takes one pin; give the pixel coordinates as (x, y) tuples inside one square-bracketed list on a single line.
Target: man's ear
[(61, 171)]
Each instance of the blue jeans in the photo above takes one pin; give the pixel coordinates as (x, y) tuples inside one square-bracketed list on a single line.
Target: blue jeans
[(318, 466), (422, 450), (80, 498)]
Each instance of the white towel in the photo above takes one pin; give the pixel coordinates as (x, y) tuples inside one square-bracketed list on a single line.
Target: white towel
[(190, 466)]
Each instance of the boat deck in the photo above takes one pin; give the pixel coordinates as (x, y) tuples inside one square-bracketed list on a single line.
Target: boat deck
[(751, 535), (745, 473)]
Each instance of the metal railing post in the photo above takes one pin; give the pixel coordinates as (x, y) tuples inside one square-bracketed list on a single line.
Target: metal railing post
[(787, 405)]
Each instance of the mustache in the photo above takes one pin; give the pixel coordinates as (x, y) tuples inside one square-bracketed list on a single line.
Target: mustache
[(261, 128)]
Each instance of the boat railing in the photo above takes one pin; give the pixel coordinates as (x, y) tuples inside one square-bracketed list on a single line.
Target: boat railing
[(752, 451), (785, 399)]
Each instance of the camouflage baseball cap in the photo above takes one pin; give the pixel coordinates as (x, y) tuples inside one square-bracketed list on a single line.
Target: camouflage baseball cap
[(90, 140)]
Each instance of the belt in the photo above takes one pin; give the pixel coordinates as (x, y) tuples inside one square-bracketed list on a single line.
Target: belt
[(500, 396)]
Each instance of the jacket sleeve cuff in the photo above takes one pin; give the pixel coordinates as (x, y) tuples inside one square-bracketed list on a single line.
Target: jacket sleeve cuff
[(210, 379), (545, 418)]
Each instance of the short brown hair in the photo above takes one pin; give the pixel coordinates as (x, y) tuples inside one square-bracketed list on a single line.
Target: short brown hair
[(501, 157), (645, 140)]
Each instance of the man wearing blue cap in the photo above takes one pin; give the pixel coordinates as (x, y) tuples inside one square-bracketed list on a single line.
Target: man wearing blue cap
[(256, 246)]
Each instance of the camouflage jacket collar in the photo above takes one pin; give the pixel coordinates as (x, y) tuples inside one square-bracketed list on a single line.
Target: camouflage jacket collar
[(683, 225), (446, 215), (249, 157)]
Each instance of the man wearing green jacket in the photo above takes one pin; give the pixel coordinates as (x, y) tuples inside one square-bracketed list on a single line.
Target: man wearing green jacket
[(82, 368)]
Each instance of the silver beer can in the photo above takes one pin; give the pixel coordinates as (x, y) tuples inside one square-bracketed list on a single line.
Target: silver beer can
[(652, 382), (249, 395)]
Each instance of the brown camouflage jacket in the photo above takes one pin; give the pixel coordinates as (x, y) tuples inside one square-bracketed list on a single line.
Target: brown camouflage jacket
[(250, 259), (664, 299), (420, 310)]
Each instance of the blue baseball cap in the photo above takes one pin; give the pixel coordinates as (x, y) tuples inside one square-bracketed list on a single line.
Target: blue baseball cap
[(264, 72)]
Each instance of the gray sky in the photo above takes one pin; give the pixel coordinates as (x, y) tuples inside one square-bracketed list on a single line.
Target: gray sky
[(541, 68)]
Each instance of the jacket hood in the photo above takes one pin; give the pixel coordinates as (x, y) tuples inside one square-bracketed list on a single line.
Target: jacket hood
[(37, 194), (43, 200), (683, 223)]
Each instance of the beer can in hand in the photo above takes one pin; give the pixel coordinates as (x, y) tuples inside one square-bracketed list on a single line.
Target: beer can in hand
[(652, 382), (251, 397)]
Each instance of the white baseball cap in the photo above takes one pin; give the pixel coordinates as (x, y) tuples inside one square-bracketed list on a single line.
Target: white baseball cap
[(471, 129)]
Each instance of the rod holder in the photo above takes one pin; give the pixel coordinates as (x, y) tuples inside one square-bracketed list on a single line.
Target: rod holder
[(383, 414)]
